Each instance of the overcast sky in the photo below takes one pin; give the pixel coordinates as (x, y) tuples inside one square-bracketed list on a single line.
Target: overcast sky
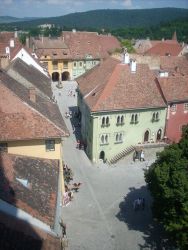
[(46, 8)]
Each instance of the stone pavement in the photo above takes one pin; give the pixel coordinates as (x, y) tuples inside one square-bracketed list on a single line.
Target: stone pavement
[(101, 215)]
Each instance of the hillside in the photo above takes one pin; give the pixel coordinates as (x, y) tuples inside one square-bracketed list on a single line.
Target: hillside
[(10, 19), (110, 19)]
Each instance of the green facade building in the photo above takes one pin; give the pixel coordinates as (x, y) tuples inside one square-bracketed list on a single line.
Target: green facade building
[(121, 107)]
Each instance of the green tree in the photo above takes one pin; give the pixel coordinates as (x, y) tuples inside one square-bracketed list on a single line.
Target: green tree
[(128, 44), (167, 180)]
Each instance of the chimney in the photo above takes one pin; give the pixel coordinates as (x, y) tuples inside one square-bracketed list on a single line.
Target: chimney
[(32, 94), (16, 34), (126, 58), (7, 51), (12, 43), (133, 66)]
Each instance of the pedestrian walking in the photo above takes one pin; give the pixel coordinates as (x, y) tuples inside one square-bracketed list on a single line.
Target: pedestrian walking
[(142, 156)]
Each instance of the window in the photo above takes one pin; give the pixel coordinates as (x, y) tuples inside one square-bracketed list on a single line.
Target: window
[(75, 64), (55, 65), (122, 119), (50, 145), (119, 137), (80, 64), (104, 139), (173, 108), (118, 120), (3, 147), (155, 117), (65, 65), (134, 118), (185, 106), (105, 121)]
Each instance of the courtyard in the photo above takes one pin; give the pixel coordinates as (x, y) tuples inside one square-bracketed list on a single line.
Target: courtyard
[(101, 214)]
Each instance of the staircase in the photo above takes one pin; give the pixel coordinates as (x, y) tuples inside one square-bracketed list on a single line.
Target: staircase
[(120, 155)]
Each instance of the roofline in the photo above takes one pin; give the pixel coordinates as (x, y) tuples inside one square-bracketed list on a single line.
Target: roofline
[(177, 101), (127, 109), (27, 139)]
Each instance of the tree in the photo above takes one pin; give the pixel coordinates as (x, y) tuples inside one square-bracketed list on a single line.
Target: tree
[(167, 181)]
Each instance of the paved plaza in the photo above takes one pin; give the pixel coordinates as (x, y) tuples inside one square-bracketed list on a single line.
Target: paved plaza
[(101, 215)]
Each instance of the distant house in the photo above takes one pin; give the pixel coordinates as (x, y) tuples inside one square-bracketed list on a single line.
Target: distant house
[(120, 108), (88, 48), (160, 47), (11, 48), (74, 53), (55, 56)]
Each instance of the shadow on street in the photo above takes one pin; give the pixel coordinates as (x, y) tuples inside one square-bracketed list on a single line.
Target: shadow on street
[(139, 218)]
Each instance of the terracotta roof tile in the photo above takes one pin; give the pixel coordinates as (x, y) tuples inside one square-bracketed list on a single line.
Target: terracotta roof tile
[(42, 177), (112, 86), (22, 118), (174, 88), (22, 72), (171, 63), (82, 44), (164, 48)]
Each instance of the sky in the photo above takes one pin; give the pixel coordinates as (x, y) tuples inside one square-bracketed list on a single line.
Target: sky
[(50, 8)]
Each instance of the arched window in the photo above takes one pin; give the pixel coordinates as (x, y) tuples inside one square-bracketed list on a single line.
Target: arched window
[(153, 117), (136, 118), (132, 118), (107, 120), (118, 119), (157, 116), (102, 139), (117, 137), (122, 119), (120, 137), (103, 121), (106, 138)]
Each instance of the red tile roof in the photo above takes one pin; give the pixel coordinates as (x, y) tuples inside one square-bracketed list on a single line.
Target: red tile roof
[(53, 47), (112, 86), (171, 63), (82, 44), (174, 88), (5, 38), (39, 198), (23, 119), (164, 48)]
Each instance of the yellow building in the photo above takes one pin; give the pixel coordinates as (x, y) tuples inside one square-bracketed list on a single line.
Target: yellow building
[(55, 56)]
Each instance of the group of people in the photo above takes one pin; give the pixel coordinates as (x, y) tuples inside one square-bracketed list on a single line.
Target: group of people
[(139, 204), (80, 145), (69, 188), (71, 93)]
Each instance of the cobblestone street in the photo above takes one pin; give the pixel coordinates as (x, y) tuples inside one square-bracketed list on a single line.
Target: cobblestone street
[(101, 215)]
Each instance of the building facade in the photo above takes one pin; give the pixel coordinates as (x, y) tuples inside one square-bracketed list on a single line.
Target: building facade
[(120, 107)]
